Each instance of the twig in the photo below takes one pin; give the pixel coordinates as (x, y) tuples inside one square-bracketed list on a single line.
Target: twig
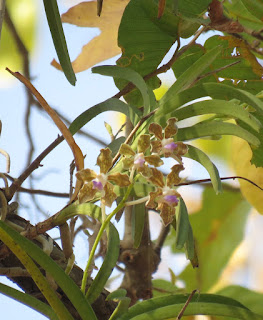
[(214, 71), (224, 178), (33, 166), (166, 66), (181, 313)]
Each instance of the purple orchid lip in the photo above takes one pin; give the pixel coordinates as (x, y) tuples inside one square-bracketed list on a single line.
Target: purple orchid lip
[(97, 185), (170, 146), (171, 199), (139, 161)]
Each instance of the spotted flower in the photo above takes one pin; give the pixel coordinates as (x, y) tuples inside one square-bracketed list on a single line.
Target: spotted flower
[(139, 161), (165, 198), (98, 184), (164, 144)]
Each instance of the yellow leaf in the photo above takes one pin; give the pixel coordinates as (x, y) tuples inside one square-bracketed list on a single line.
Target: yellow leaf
[(105, 45), (242, 155)]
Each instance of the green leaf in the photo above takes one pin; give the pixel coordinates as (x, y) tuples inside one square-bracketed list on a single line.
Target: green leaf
[(250, 299), (55, 26), (145, 39), (182, 225), (219, 107), (186, 79), (237, 10), (219, 224), (199, 156), (215, 128), (255, 7), (13, 241), (190, 249), (107, 105), (114, 146), (229, 92), (131, 76), (118, 294), (169, 306), (109, 262), (163, 287), (29, 301), (138, 219), (247, 68), (191, 8), (62, 279)]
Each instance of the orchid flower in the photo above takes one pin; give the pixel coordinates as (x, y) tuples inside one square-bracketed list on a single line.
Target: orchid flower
[(98, 184)]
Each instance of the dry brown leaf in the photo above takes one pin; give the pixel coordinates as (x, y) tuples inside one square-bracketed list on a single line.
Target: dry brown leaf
[(103, 46)]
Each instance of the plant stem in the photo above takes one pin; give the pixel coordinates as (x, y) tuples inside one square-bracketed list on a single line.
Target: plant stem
[(100, 233)]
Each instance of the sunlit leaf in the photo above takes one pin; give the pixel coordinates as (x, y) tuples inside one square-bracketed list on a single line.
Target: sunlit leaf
[(169, 306), (23, 14), (250, 299), (109, 263), (218, 229), (28, 300), (241, 157), (145, 39)]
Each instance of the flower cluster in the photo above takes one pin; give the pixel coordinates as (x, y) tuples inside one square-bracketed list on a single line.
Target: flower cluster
[(145, 161), (99, 184)]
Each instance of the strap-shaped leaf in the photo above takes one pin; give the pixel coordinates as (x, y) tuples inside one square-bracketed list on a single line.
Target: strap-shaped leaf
[(55, 26), (107, 105), (187, 78), (190, 246), (138, 223), (169, 306), (123, 305), (8, 237), (28, 300), (131, 76), (214, 128), (109, 263), (182, 225), (62, 279), (199, 156), (218, 107)]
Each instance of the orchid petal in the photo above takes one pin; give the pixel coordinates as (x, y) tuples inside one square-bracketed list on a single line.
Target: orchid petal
[(151, 203), (156, 146), (126, 150), (173, 177), (171, 128), (104, 160), (87, 193), (109, 195), (157, 130), (86, 175), (143, 143), (156, 178), (167, 213), (154, 160), (120, 179)]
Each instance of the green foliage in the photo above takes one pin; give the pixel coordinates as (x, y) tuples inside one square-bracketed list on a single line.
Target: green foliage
[(219, 224), (230, 98), (59, 40), (250, 299)]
